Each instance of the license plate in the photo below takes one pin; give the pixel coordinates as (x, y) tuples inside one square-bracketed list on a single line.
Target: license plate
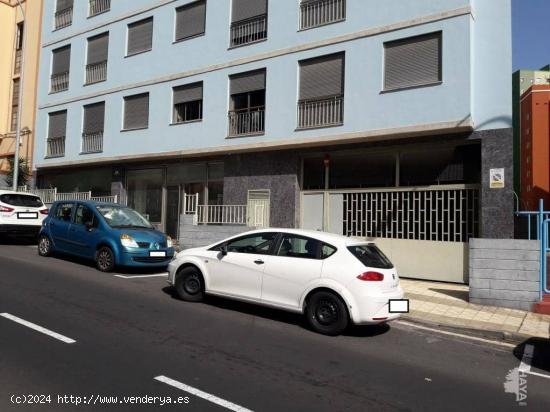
[(157, 254), (399, 306), (27, 215)]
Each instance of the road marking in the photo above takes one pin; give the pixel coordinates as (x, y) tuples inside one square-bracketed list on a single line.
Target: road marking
[(539, 374), (38, 328), (207, 396), (444, 332), (156, 275), (525, 364)]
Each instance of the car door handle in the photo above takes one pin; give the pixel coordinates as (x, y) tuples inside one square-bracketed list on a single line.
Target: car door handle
[(259, 262)]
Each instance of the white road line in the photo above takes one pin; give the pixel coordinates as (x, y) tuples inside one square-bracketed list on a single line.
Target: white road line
[(207, 396), (525, 364), (460, 335), (156, 275), (539, 374), (38, 328)]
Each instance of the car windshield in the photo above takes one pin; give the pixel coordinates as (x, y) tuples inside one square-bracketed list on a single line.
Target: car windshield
[(21, 200), (370, 256), (122, 217)]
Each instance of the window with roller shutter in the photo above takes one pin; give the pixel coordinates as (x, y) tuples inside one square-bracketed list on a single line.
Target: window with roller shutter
[(187, 103), (247, 114), (248, 22), (140, 36), (136, 111), (61, 63), (96, 67), (190, 20), (57, 129), (92, 130), (63, 14)]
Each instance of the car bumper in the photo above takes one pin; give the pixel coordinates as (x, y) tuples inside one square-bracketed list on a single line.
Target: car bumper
[(372, 309), (21, 230), (143, 259)]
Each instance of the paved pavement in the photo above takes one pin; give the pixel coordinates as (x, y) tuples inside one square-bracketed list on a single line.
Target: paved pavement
[(133, 338), (447, 304)]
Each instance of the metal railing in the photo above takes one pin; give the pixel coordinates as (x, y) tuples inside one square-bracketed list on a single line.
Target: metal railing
[(544, 254), (315, 13), (105, 199), (47, 196), (96, 72), (248, 31), (92, 142), (98, 6), (55, 147), (246, 215), (63, 18), (64, 197), (247, 121), (190, 204), (319, 113), (17, 62), (59, 82)]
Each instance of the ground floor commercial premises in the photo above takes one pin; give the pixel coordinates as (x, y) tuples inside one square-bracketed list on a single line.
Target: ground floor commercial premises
[(416, 196)]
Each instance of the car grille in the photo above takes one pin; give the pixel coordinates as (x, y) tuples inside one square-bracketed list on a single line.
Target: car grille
[(151, 259), (143, 245)]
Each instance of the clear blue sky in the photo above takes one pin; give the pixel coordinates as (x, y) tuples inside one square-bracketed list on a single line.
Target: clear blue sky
[(531, 33)]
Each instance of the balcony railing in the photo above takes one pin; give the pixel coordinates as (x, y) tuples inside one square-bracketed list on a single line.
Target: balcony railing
[(247, 121), (59, 82), (315, 13), (98, 6), (249, 31), (96, 72), (92, 142), (17, 62), (320, 113), (55, 147), (63, 18), (248, 215)]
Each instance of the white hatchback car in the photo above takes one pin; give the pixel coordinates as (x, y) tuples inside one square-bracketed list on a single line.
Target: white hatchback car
[(21, 214), (329, 278)]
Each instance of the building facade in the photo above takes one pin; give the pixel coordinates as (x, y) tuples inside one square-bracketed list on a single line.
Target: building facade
[(12, 28), (363, 119)]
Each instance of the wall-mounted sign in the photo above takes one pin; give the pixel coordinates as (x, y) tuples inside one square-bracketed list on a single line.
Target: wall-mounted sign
[(496, 178)]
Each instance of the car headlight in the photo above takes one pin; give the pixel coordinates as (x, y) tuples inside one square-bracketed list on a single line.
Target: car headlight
[(169, 242), (128, 241)]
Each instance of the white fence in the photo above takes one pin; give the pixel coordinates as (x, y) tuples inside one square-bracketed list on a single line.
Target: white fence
[(190, 204), (253, 216), (49, 196)]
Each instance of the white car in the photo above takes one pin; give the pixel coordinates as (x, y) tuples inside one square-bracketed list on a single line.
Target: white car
[(331, 279), (21, 214)]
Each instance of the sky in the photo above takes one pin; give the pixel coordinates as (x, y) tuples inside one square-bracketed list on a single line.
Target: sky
[(531, 33)]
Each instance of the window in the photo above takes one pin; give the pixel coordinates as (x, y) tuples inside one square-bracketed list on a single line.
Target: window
[(298, 247), (64, 212), (190, 20), (140, 36), (21, 200), (327, 250), (18, 48), (248, 21), (63, 14), (85, 216), (370, 256), (92, 133), (187, 103), (412, 62), (61, 63), (247, 105), (14, 104), (258, 243), (321, 94), (366, 170), (314, 13), (98, 50), (136, 111), (96, 7), (56, 134)]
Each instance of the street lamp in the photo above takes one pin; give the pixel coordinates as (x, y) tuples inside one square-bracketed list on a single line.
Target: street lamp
[(20, 100)]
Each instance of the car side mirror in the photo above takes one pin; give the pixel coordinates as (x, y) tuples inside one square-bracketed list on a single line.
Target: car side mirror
[(223, 250)]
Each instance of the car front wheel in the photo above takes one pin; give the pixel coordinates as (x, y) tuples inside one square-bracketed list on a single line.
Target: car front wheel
[(190, 284), (44, 246), (105, 259), (326, 313)]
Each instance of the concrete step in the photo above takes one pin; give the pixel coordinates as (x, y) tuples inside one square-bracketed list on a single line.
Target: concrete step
[(543, 307)]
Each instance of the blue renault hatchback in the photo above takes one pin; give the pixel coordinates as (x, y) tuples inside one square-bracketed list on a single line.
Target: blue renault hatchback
[(110, 234)]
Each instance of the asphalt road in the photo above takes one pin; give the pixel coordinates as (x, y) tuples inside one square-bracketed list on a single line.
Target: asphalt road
[(129, 331)]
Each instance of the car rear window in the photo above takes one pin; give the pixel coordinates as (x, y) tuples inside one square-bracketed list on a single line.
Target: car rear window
[(21, 200), (369, 255)]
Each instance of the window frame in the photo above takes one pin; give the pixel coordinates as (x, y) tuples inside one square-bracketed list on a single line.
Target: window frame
[(127, 54), (95, 221), (188, 5), (173, 121), (270, 252), (123, 128), (58, 208)]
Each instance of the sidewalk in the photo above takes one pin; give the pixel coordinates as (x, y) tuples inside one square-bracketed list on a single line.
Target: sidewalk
[(447, 305)]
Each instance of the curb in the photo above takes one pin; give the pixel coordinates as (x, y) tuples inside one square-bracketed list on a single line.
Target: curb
[(495, 335)]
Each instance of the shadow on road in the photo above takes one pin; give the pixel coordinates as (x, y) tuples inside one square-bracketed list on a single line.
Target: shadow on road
[(18, 241), (541, 359), (459, 294), (280, 315)]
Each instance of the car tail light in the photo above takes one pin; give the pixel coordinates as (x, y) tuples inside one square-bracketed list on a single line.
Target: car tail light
[(6, 209), (371, 277), (43, 211)]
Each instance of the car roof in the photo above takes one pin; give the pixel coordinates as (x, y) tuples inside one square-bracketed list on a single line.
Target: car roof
[(332, 238), (11, 192), (90, 203)]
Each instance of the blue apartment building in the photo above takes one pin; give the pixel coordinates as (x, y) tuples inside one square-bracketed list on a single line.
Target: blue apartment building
[(369, 118)]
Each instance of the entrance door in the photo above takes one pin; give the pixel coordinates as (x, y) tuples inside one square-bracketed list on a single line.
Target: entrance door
[(313, 211), (172, 211), (145, 194)]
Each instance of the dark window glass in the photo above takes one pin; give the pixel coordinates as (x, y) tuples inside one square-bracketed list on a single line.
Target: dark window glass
[(371, 256), (21, 200), (362, 171), (259, 243), (64, 212), (327, 250), (298, 247), (84, 215), (314, 173), (187, 112)]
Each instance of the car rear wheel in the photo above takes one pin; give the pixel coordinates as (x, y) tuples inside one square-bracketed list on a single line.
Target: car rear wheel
[(326, 313), (44, 246), (190, 285), (105, 259)]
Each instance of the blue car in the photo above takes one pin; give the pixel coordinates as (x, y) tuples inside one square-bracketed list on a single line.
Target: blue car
[(110, 234)]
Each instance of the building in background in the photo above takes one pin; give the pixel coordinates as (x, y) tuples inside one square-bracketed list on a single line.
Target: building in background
[(369, 120), (12, 28), (522, 80)]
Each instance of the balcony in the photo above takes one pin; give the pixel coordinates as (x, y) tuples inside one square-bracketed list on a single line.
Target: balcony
[(96, 72), (249, 31), (315, 13), (59, 82), (55, 147), (63, 18), (92, 142), (321, 113), (98, 6), (17, 62), (248, 121)]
